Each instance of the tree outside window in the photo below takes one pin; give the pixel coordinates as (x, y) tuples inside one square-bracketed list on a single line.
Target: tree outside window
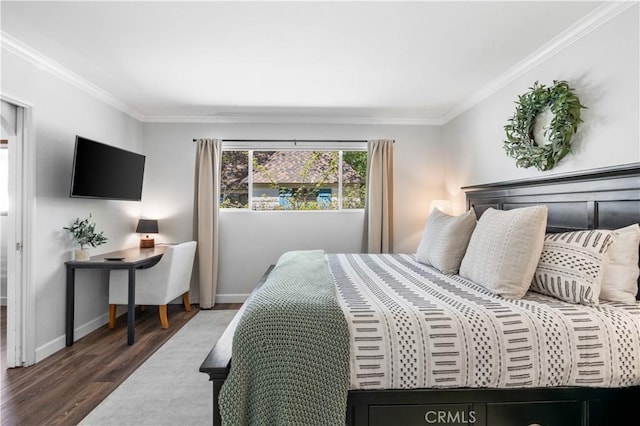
[(293, 180)]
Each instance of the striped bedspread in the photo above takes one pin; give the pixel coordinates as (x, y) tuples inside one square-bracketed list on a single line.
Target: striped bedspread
[(413, 327)]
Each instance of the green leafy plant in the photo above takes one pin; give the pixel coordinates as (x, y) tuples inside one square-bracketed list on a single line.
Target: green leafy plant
[(304, 196), (84, 232), (565, 107)]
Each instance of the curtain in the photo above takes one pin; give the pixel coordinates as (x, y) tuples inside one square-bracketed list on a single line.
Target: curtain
[(378, 213), (207, 202)]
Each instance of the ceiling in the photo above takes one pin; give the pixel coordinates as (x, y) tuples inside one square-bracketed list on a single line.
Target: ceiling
[(397, 60)]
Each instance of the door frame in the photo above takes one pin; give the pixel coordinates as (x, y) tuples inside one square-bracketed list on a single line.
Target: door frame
[(20, 292)]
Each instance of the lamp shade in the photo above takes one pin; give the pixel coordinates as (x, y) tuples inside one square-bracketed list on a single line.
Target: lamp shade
[(147, 226), (443, 205)]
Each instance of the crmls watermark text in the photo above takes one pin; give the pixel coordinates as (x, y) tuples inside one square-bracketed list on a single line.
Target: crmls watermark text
[(442, 417)]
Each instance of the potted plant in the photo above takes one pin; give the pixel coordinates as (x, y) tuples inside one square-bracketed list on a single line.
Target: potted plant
[(84, 232)]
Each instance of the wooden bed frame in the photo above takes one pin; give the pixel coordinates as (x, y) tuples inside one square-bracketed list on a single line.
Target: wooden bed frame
[(602, 198)]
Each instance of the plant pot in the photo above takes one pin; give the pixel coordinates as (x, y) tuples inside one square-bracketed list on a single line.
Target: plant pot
[(82, 254)]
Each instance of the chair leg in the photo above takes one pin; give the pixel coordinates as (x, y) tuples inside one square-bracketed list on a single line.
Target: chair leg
[(186, 301), (163, 316), (112, 316)]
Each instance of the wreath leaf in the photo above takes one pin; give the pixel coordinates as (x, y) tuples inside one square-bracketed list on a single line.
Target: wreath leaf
[(565, 106)]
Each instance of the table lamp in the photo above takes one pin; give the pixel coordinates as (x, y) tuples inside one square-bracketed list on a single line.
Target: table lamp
[(147, 226), (443, 205)]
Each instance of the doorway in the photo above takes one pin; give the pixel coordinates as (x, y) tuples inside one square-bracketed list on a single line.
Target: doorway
[(4, 207), (15, 296)]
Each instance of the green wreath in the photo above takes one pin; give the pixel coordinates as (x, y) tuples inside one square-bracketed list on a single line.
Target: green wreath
[(565, 107)]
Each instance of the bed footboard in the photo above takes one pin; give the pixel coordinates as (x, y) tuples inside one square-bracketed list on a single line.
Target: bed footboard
[(218, 362), (567, 406)]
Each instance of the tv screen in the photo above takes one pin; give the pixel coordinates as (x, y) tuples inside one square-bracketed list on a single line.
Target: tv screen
[(104, 171)]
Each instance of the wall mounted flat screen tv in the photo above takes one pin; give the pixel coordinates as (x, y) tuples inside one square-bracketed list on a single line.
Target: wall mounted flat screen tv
[(104, 171)]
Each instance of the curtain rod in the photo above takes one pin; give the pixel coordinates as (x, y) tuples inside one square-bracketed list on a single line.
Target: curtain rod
[(288, 140)]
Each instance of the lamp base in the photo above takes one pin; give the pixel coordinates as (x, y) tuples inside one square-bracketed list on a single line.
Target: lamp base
[(147, 243)]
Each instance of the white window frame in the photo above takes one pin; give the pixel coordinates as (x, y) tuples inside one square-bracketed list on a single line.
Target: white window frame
[(327, 146)]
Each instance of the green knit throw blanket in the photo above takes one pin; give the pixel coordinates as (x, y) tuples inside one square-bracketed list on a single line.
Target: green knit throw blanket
[(290, 359)]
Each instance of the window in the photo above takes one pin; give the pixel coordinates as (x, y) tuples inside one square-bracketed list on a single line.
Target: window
[(293, 179)]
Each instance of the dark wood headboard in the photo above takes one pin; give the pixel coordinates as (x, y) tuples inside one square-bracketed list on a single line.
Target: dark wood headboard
[(607, 198)]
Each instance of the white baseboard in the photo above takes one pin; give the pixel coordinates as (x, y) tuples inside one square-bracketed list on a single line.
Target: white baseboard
[(58, 343), (231, 298)]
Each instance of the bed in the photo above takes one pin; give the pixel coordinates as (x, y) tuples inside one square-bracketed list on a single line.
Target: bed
[(605, 198)]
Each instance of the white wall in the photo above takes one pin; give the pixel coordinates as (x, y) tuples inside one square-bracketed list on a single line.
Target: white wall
[(603, 69), (60, 111), (250, 241)]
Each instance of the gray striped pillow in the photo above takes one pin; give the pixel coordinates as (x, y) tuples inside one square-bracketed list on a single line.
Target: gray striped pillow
[(572, 265)]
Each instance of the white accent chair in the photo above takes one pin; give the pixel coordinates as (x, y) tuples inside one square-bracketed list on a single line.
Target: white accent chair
[(157, 285)]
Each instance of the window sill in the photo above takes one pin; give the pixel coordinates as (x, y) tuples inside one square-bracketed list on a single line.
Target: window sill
[(291, 211)]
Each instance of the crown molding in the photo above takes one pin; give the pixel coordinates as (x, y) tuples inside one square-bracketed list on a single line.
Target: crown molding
[(22, 50), (289, 119), (584, 26)]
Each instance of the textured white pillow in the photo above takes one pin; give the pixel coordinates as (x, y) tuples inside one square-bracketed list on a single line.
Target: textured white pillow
[(572, 265), (445, 239), (504, 250), (620, 281)]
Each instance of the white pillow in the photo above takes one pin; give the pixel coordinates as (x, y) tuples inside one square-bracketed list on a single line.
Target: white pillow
[(504, 250), (620, 281), (445, 239), (572, 265)]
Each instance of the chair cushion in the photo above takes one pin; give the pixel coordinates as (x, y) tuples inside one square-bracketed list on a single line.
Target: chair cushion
[(159, 284)]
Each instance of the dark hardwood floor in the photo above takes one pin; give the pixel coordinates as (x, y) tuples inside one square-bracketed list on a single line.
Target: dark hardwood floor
[(63, 388)]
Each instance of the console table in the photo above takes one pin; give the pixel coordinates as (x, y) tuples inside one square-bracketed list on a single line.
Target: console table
[(131, 259)]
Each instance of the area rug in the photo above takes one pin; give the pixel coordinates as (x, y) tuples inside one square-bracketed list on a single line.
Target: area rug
[(168, 389)]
